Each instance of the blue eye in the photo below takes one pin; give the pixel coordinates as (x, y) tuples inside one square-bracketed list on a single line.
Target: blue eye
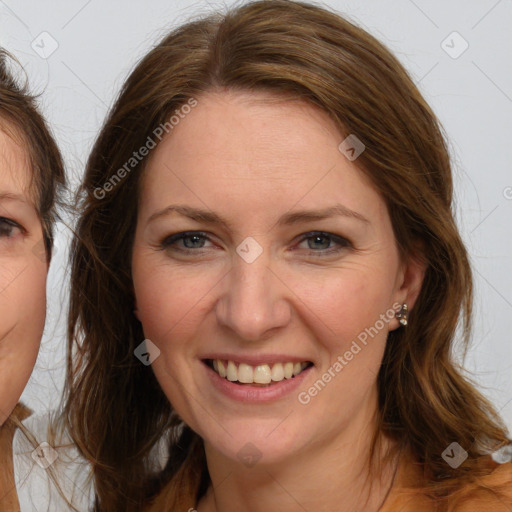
[(8, 228), (191, 240), (322, 243)]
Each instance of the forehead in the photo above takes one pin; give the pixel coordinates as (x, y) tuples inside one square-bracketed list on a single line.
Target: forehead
[(238, 125), (15, 169), (257, 149)]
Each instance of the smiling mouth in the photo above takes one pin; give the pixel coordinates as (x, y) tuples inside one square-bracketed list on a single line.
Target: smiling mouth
[(262, 375)]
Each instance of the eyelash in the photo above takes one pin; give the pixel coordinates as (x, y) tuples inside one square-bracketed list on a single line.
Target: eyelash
[(11, 225), (168, 242)]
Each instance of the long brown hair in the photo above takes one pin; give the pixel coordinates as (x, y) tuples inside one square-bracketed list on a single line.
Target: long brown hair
[(115, 407)]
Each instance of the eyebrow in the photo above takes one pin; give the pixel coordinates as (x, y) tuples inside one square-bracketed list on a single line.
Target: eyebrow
[(290, 218)]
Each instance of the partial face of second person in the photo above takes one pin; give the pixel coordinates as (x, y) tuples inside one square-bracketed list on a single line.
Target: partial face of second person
[(303, 293), (23, 270)]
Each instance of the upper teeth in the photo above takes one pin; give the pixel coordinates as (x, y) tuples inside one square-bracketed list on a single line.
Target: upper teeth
[(260, 374)]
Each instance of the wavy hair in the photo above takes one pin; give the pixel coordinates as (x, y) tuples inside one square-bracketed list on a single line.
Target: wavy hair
[(115, 408)]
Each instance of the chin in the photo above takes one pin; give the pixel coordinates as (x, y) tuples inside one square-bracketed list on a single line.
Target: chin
[(252, 446)]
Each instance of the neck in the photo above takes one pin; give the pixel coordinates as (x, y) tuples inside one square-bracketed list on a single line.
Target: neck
[(325, 477)]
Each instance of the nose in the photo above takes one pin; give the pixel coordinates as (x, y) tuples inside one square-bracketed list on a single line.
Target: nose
[(254, 302)]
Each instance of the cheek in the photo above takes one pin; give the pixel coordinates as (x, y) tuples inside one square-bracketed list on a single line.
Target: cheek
[(346, 301), (23, 296), (345, 314), (23, 305), (170, 301)]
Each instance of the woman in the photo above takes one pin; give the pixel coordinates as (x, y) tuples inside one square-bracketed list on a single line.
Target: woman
[(267, 278), (31, 172)]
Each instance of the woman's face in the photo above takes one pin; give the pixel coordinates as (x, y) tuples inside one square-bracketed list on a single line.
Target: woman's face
[(23, 270), (302, 261)]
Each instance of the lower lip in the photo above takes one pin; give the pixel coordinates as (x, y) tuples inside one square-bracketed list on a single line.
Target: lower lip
[(256, 394)]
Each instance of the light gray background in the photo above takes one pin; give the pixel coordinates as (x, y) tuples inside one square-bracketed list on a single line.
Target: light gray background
[(100, 41)]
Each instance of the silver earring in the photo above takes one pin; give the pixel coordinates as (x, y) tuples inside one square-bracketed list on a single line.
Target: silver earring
[(401, 314)]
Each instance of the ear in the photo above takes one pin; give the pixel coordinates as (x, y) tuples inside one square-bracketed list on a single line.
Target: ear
[(410, 281)]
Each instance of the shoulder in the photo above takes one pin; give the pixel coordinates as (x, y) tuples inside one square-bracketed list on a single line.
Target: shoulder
[(489, 491), (492, 491), (49, 473)]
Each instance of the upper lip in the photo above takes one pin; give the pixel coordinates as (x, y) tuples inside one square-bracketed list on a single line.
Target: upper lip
[(255, 360)]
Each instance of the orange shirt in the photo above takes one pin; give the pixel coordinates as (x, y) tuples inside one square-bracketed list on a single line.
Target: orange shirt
[(468, 499)]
